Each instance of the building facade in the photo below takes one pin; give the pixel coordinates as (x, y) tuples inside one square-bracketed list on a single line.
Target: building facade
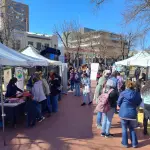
[(39, 41), (14, 14), (95, 45)]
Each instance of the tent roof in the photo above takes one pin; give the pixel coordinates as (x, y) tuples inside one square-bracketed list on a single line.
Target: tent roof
[(138, 56), (10, 57), (144, 62), (31, 51)]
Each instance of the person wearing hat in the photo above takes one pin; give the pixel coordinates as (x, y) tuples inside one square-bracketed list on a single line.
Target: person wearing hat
[(112, 99), (129, 100), (98, 91)]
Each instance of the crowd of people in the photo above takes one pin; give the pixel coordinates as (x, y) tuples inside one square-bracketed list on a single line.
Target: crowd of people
[(80, 78), (112, 92), (44, 95)]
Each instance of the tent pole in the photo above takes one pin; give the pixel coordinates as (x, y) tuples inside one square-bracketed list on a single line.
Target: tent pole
[(2, 106)]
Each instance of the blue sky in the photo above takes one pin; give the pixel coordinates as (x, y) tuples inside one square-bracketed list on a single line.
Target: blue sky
[(43, 16)]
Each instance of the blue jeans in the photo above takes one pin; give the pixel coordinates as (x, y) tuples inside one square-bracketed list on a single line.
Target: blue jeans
[(72, 85), (77, 89), (38, 108), (54, 103), (107, 119), (86, 97), (49, 104), (128, 124), (99, 118)]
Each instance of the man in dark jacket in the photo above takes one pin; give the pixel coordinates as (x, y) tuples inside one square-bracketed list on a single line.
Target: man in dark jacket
[(54, 84)]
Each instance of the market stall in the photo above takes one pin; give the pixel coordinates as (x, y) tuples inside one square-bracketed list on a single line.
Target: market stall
[(31, 51), (137, 57), (143, 62), (10, 57)]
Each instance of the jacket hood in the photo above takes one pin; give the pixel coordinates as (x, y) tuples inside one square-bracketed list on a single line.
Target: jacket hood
[(129, 94), (38, 82)]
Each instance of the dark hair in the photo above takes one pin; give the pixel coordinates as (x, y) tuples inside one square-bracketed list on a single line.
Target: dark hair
[(85, 74), (114, 74), (13, 80), (146, 88), (118, 73), (35, 79), (138, 85)]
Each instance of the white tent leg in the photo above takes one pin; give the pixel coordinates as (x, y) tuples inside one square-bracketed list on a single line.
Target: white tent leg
[(2, 106)]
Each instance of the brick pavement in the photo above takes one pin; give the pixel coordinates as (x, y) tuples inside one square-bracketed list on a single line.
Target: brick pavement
[(72, 128)]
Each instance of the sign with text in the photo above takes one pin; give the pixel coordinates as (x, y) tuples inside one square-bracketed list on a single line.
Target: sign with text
[(20, 77), (94, 70), (7, 77)]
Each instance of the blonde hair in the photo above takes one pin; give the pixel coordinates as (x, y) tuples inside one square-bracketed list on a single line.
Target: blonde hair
[(130, 84)]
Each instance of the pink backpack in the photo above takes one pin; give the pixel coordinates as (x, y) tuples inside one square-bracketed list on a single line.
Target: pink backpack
[(103, 103)]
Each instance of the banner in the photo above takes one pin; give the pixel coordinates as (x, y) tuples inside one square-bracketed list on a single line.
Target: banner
[(94, 70), (64, 76), (20, 77), (7, 77)]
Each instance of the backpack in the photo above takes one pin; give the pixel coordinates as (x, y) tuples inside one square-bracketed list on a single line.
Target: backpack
[(103, 103)]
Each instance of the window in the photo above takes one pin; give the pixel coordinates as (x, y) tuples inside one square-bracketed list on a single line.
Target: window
[(46, 45), (38, 46), (30, 43)]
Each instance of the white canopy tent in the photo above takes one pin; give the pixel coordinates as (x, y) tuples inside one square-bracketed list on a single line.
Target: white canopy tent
[(137, 57), (10, 57), (31, 51), (144, 62)]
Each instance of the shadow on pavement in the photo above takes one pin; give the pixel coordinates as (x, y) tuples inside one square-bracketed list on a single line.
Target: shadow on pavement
[(72, 122)]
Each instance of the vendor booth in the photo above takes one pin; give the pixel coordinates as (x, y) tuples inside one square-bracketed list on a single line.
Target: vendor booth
[(10, 57), (138, 56), (144, 62), (31, 51)]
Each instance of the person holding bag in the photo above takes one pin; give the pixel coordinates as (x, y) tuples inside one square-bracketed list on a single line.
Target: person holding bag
[(98, 91), (86, 89), (106, 105)]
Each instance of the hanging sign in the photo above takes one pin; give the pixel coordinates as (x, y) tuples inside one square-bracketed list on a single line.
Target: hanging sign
[(20, 77), (7, 77), (94, 70)]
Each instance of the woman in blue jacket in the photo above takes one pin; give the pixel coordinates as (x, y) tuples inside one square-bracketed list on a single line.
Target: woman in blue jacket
[(128, 102)]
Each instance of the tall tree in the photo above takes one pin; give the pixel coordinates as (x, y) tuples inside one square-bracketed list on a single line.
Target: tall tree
[(136, 10), (68, 32)]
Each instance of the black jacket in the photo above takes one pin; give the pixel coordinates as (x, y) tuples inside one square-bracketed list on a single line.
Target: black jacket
[(113, 97), (54, 87), (12, 90)]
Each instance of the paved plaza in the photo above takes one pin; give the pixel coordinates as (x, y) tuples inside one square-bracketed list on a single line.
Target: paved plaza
[(72, 128)]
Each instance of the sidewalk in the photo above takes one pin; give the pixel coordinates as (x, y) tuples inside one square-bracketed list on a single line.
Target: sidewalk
[(72, 128)]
